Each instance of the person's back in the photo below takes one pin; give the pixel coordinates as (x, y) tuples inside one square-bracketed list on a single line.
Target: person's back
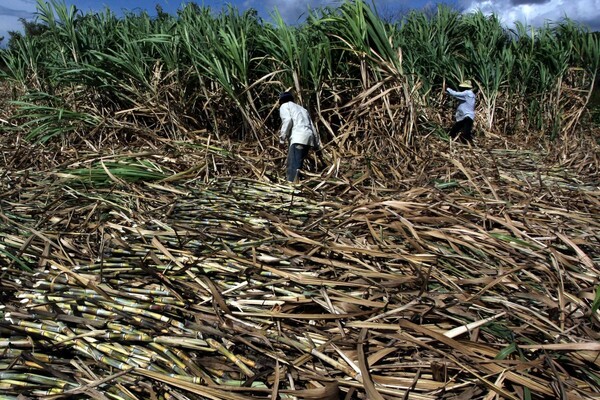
[(466, 106), (296, 124)]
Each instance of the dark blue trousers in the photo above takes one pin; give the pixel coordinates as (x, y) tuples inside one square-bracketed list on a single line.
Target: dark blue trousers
[(462, 130), (296, 155)]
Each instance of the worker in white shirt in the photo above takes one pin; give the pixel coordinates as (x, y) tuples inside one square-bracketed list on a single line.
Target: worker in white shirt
[(465, 113), (298, 129)]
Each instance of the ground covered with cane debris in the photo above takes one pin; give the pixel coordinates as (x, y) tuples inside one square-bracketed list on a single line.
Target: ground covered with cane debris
[(151, 249), (130, 277)]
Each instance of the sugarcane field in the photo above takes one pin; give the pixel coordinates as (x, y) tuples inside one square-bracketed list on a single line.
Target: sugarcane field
[(153, 244)]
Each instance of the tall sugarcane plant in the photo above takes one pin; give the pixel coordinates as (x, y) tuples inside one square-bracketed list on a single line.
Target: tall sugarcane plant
[(218, 71)]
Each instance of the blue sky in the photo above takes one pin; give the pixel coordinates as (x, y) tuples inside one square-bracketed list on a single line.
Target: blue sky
[(532, 12)]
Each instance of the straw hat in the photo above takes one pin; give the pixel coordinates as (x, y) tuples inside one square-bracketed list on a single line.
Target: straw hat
[(466, 84)]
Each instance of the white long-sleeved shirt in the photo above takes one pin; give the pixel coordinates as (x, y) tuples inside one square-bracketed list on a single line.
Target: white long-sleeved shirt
[(466, 108), (296, 126)]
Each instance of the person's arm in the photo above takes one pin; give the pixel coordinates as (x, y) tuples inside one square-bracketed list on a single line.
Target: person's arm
[(458, 95), (286, 123)]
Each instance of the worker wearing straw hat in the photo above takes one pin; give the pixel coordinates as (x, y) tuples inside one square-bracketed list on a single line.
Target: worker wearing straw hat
[(298, 129), (462, 130)]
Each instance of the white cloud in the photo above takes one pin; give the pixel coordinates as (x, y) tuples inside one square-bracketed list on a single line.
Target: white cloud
[(291, 11), (532, 12), (10, 13), (537, 12), (19, 4)]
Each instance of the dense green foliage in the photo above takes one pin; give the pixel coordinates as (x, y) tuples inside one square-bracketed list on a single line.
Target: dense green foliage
[(362, 77)]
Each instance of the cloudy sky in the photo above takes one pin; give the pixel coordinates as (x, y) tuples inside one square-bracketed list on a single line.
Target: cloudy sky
[(532, 12)]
